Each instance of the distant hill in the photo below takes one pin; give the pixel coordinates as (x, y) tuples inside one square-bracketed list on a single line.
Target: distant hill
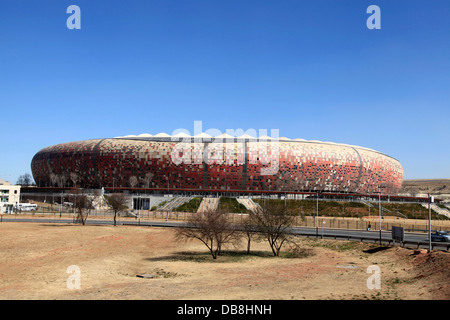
[(423, 187)]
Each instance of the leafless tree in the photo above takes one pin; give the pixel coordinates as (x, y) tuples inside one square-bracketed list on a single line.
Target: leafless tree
[(118, 203), (82, 203), (248, 229), (273, 221), (133, 181), (25, 180), (212, 228)]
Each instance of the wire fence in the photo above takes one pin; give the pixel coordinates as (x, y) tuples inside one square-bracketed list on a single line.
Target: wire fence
[(363, 223)]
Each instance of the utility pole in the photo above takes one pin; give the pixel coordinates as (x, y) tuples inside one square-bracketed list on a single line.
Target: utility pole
[(317, 215), (379, 209), (430, 199), (60, 205)]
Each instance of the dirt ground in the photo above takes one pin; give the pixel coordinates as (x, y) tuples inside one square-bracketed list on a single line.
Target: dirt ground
[(34, 260)]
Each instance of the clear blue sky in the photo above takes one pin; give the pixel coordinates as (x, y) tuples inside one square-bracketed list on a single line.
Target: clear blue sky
[(311, 69)]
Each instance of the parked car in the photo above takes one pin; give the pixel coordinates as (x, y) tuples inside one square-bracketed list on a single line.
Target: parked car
[(440, 236)]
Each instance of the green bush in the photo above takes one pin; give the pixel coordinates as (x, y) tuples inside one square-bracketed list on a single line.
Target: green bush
[(231, 205), (190, 206)]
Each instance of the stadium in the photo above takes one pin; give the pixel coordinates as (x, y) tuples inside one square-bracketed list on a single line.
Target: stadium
[(222, 163)]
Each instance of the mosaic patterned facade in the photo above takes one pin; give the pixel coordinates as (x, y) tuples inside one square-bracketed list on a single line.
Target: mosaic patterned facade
[(217, 164)]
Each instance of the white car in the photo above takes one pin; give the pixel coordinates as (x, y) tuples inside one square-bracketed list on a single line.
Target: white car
[(440, 236)]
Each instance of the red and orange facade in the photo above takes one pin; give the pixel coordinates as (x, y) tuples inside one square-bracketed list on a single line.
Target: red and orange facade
[(216, 164)]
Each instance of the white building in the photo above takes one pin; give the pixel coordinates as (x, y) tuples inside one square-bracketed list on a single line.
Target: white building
[(9, 196)]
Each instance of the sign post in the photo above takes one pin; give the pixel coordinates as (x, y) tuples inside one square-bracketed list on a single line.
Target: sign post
[(323, 222), (398, 233)]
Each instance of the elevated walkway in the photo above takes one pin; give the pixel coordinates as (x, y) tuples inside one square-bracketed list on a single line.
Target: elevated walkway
[(208, 204), (383, 209), (174, 203), (249, 204), (438, 210)]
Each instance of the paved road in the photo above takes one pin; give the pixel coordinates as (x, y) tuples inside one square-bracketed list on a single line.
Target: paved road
[(363, 235)]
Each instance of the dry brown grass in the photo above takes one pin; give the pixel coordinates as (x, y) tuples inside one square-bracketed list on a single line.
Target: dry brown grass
[(35, 256)]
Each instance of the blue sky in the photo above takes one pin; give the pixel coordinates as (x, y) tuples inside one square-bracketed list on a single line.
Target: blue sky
[(311, 69)]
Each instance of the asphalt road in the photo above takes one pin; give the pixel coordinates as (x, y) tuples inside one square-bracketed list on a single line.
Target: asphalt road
[(412, 239)]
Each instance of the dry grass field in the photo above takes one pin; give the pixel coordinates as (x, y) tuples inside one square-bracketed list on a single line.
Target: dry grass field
[(35, 257)]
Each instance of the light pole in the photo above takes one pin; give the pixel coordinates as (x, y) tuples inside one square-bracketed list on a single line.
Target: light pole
[(60, 205), (317, 214), (430, 199), (379, 211), (368, 227), (323, 222)]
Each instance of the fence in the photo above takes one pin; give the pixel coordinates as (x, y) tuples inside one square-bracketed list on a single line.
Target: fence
[(331, 223), (405, 243), (416, 225)]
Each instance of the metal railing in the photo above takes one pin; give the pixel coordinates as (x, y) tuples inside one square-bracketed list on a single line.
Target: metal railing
[(404, 243)]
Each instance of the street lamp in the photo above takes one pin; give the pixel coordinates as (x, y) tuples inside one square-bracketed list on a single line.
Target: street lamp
[(379, 211), (430, 200), (317, 214), (379, 207)]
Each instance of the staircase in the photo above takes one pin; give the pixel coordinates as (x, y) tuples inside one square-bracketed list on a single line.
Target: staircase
[(175, 203), (367, 203), (383, 209), (249, 204), (208, 204), (438, 210)]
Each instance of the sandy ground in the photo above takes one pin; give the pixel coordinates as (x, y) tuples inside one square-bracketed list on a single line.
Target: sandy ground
[(35, 258)]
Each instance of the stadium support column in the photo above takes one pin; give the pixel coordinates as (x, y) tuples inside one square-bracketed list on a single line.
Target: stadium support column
[(361, 168), (205, 165), (244, 166), (96, 152)]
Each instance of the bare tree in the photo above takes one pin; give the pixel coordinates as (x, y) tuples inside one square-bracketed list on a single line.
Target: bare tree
[(248, 229), (212, 228), (25, 180), (82, 203), (118, 203), (273, 221)]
